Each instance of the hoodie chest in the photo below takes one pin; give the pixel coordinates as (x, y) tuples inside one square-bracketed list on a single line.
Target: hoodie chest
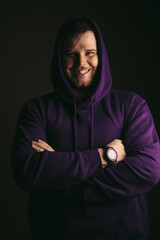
[(83, 129)]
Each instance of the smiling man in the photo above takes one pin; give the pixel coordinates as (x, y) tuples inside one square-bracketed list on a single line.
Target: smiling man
[(87, 153)]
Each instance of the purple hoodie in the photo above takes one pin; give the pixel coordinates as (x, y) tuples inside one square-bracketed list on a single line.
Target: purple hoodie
[(71, 196)]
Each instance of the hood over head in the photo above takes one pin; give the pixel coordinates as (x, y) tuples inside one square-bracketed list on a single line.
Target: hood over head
[(103, 79)]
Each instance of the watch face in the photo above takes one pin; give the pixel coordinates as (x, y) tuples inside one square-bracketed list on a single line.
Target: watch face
[(111, 154)]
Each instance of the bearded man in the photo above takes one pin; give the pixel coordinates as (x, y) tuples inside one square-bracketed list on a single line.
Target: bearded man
[(88, 154)]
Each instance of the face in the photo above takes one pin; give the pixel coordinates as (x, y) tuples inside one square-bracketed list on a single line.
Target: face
[(80, 60)]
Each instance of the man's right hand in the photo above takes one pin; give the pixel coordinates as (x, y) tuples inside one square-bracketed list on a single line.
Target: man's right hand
[(41, 146), (118, 146)]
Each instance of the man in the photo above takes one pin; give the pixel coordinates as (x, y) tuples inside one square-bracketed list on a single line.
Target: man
[(69, 147)]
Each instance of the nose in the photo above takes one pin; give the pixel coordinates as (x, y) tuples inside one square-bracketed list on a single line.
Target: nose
[(81, 60)]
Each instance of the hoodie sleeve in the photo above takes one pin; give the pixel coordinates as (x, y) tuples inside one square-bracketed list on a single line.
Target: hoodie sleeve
[(47, 170), (140, 171)]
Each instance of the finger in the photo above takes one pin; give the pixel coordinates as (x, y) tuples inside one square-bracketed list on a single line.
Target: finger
[(43, 145), (48, 147), (38, 149), (40, 144), (43, 142)]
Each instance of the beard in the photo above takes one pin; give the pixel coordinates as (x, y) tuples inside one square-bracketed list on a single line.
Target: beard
[(85, 90), (81, 83)]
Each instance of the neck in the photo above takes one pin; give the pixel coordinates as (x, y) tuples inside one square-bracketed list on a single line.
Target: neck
[(83, 93)]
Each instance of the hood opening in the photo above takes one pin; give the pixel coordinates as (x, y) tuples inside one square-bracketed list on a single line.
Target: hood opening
[(103, 80)]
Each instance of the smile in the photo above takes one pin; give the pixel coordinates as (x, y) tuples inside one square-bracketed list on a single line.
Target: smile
[(82, 72)]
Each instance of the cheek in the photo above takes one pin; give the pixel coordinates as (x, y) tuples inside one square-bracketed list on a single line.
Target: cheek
[(69, 64), (95, 62)]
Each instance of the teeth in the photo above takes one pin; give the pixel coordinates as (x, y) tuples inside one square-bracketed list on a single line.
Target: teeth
[(83, 71)]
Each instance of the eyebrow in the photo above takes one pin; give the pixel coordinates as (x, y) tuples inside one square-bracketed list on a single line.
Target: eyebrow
[(85, 50), (91, 50), (71, 51)]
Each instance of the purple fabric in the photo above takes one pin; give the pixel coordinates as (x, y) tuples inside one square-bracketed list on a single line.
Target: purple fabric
[(71, 195)]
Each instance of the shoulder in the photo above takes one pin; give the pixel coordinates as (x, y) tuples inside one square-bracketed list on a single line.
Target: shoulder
[(44, 99), (38, 106), (125, 95), (41, 102), (127, 102), (126, 98)]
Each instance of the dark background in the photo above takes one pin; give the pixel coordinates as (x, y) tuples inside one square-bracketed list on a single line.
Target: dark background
[(27, 36)]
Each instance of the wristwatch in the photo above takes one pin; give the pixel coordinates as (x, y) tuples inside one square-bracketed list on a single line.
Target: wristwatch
[(110, 155)]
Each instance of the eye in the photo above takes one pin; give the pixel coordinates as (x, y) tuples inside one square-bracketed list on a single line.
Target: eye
[(70, 54), (90, 53)]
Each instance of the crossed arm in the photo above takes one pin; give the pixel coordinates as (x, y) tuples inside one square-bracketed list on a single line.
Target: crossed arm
[(117, 144), (136, 174)]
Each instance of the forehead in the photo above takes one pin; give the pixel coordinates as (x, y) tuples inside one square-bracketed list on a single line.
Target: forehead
[(84, 40)]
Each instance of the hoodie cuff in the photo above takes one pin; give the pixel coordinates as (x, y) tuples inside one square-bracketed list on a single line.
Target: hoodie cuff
[(92, 163)]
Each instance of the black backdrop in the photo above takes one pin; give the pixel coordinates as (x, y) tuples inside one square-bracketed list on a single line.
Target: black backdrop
[(27, 36)]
